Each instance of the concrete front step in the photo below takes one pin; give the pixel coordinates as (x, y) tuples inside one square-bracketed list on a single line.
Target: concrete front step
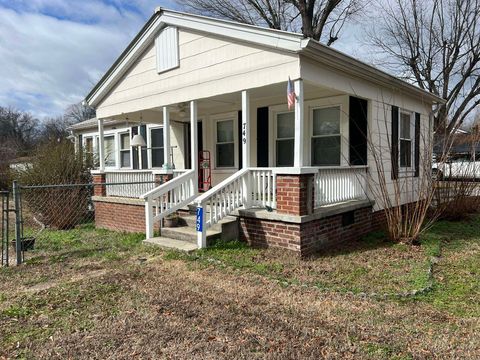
[(173, 244), (226, 230), (188, 233), (191, 220)]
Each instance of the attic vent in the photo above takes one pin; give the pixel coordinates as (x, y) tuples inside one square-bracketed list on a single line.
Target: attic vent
[(167, 49)]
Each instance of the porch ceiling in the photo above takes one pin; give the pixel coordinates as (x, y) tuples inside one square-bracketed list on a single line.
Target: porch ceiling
[(273, 95)]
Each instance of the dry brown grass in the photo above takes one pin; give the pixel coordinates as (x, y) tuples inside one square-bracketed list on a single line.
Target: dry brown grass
[(143, 304), (166, 309)]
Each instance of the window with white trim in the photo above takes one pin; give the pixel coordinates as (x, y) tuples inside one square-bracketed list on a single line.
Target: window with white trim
[(405, 139), (326, 136), (285, 138), (88, 150), (109, 142), (125, 150), (156, 147), (225, 144)]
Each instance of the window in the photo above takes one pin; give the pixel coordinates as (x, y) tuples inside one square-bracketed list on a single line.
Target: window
[(156, 145), (405, 140), (167, 49), (125, 150), (225, 146), (284, 143), (88, 151), (109, 150), (326, 137)]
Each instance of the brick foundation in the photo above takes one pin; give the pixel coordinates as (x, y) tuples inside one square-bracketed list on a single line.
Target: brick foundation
[(309, 237), (120, 216)]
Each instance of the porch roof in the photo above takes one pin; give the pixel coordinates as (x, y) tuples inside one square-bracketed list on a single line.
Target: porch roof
[(269, 38), (90, 124)]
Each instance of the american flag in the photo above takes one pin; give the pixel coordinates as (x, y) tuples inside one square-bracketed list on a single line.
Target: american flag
[(290, 94)]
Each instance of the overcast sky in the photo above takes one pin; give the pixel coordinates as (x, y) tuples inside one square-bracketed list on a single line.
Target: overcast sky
[(53, 51)]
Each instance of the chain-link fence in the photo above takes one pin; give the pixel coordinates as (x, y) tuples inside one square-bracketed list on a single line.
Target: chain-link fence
[(46, 217)]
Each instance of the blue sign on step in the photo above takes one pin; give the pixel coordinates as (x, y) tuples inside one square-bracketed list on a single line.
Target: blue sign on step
[(199, 225)]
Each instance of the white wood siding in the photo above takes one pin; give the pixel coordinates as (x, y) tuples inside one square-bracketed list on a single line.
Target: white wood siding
[(209, 66), (380, 98)]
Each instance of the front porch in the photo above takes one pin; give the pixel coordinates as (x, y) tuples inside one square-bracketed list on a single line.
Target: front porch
[(309, 162), (268, 206)]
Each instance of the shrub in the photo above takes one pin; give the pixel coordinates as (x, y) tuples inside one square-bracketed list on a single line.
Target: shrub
[(61, 207)]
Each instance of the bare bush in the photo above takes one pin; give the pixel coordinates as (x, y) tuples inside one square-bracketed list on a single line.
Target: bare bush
[(59, 207), (404, 194)]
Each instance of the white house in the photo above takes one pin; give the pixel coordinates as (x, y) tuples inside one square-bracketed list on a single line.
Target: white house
[(209, 99)]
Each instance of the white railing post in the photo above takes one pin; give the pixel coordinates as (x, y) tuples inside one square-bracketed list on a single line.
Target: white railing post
[(166, 137), (194, 144), (246, 191), (101, 146), (201, 226), (299, 124), (245, 129), (149, 218)]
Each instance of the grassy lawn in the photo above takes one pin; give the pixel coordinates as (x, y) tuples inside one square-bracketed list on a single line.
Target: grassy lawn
[(89, 293)]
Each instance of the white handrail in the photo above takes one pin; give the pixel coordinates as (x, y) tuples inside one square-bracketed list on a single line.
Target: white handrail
[(168, 198), (247, 187)]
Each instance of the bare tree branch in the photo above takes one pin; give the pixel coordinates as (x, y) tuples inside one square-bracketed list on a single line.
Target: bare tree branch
[(319, 19), (435, 44)]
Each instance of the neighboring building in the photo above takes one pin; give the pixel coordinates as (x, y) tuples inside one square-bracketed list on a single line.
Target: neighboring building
[(457, 156), (295, 178)]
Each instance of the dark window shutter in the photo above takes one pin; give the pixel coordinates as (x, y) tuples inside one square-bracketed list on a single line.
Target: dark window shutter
[(394, 142), (358, 128), (417, 144), (262, 137), (80, 143)]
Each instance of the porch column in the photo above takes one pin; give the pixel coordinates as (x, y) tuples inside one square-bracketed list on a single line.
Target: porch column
[(166, 137), (194, 143), (245, 129), (299, 125), (101, 145)]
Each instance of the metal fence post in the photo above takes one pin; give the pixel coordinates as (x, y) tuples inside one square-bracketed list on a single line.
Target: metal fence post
[(5, 231), (18, 236)]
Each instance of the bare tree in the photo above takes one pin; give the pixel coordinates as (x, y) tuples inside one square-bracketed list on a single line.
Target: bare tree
[(435, 44), (316, 19), (324, 19), (55, 129), (79, 112), (17, 129)]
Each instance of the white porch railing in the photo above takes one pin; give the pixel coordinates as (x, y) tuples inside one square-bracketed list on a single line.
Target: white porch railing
[(145, 180), (168, 198), (339, 184), (247, 187)]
